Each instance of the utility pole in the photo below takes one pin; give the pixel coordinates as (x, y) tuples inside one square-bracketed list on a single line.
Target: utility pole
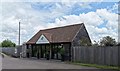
[(19, 35)]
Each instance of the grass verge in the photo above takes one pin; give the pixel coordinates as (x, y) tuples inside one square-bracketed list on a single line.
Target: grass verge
[(95, 65)]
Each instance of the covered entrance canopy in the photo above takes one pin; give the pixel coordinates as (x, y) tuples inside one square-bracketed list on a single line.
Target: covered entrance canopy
[(43, 46), (40, 51)]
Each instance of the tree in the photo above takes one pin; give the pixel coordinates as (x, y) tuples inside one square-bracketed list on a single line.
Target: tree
[(8, 43), (95, 43), (107, 41), (118, 44), (85, 42), (0, 45)]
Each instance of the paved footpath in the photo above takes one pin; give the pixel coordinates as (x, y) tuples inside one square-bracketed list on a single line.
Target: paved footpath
[(16, 63)]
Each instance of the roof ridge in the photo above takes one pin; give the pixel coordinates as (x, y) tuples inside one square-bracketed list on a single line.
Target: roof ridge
[(62, 26)]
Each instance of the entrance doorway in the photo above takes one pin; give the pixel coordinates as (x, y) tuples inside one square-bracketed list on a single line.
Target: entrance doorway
[(55, 52), (34, 51), (52, 50), (40, 50)]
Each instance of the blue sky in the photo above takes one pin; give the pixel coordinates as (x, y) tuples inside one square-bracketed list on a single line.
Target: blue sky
[(100, 18), (74, 9)]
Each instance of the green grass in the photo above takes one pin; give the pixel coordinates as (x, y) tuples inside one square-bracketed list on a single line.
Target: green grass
[(95, 65)]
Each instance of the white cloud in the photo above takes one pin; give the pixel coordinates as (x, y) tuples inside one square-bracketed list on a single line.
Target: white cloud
[(21, 11), (59, 0), (88, 18), (114, 8), (105, 14), (112, 25), (85, 5), (32, 20), (92, 20), (51, 0)]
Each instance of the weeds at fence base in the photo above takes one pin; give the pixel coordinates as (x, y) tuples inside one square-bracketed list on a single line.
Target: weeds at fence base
[(95, 65)]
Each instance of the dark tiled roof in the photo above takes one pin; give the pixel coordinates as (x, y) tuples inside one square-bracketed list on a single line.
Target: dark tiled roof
[(58, 34)]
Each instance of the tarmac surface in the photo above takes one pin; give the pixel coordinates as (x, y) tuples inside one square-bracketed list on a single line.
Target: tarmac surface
[(24, 63)]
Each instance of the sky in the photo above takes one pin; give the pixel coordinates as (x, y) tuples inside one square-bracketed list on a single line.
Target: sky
[(100, 18)]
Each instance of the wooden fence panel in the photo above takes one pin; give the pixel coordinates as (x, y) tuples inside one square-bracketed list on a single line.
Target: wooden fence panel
[(96, 55), (114, 56)]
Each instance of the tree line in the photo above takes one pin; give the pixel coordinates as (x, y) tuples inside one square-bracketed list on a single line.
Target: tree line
[(105, 41), (7, 43)]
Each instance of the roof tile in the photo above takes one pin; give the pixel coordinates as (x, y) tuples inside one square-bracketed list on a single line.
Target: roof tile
[(58, 34)]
